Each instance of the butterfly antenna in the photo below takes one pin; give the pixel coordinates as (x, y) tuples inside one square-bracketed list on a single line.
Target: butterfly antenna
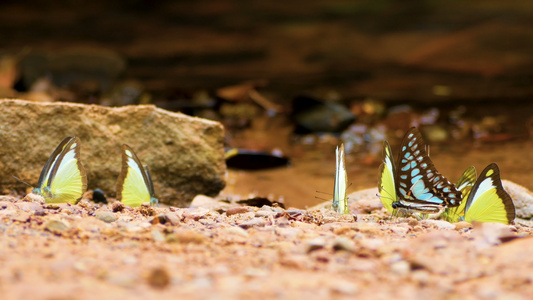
[(22, 181), (323, 192), (316, 197)]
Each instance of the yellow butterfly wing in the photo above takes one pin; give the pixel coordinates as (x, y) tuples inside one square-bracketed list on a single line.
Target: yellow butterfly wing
[(464, 185), (386, 183), (488, 201), (340, 200), (133, 186), (63, 179)]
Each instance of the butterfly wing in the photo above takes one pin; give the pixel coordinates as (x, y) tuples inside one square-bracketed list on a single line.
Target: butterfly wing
[(45, 173), (66, 181), (488, 201), (420, 185), (464, 185), (386, 183), (132, 185), (340, 201)]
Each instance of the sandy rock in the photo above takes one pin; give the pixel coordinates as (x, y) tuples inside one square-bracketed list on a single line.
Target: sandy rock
[(522, 199), (185, 154)]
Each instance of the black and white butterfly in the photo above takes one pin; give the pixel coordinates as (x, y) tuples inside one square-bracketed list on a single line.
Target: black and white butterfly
[(414, 184)]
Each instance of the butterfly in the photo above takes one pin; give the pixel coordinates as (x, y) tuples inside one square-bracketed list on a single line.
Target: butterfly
[(134, 185), (464, 185), (63, 178), (414, 184), (488, 201), (340, 200)]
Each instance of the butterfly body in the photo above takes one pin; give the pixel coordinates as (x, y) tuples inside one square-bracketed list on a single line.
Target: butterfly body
[(464, 185), (340, 201), (134, 185), (63, 178), (414, 184)]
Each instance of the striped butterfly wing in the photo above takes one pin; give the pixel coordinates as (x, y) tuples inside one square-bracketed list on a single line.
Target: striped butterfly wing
[(45, 173), (340, 200), (420, 186), (488, 201), (133, 185), (63, 179), (464, 185), (386, 183)]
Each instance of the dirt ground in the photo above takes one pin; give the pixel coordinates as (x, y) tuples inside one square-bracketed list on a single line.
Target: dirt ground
[(224, 251)]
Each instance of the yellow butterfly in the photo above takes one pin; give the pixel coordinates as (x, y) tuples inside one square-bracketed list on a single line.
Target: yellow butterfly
[(464, 185), (63, 178), (488, 201), (134, 185), (340, 200), (386, 182)]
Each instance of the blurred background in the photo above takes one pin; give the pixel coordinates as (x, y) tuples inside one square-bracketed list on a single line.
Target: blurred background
[(291, 80)]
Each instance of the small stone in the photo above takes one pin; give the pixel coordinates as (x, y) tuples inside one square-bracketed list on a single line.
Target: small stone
[(158, 236), (255, 222), (296, 261), (462, 225), (343, 243), (315, 244), (440, 224), (106, 216), (117, 206), (265, 213), (345, 287), (56, 226), (158, 278), (400, 268), (186, 237), (31, 197), (173, 218), (237, 210), (237, 231)]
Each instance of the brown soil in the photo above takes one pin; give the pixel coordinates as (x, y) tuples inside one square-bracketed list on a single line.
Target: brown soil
[(68, 252)]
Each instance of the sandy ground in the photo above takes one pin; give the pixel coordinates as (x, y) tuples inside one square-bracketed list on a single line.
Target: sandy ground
[(223, 251)]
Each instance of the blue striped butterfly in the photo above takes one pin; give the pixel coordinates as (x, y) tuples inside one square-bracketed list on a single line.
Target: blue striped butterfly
[(464, 185), (63, 178), (414, 184), (134, 185), (488, 201), (340, 200)]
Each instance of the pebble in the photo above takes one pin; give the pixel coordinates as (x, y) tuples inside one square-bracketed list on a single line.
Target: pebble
[(315, 244), (255, 222), (401, 268), (440, 224), (236, 230), (158, 278), (265, 213), (345, 287), (106, 216), (158, 236), (56, 226), (344, 243), (462, 225), (237, 210)]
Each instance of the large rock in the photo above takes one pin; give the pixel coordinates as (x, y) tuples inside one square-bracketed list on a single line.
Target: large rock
[(185, 154)]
